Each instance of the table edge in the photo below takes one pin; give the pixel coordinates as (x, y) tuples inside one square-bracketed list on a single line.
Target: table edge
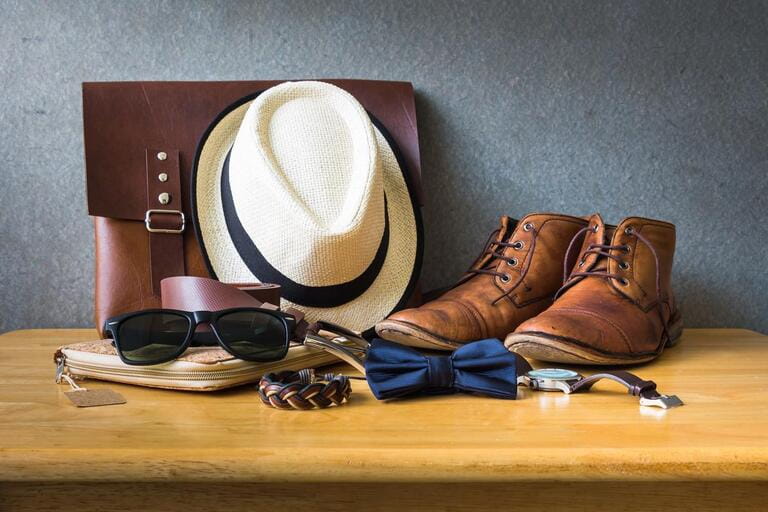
[(379, 465)]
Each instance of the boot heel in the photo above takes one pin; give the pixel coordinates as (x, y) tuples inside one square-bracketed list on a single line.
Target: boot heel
[(675, 331)]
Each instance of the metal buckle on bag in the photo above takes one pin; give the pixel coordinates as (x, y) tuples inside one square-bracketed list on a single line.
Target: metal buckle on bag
[(148, 222)]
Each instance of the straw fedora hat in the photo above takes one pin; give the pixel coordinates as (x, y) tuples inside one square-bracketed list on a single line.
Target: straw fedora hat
[(298, 185)]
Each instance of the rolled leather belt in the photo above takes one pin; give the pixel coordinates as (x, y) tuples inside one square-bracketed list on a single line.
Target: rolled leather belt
[(202, 294), (188, 293)]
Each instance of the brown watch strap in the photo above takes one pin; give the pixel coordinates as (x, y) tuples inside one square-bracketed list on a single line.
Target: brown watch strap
[(634, 384), (164, 218), (522, 366)]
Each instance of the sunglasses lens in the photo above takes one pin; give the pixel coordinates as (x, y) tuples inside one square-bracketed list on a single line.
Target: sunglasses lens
[(253, 335), (151, 338)]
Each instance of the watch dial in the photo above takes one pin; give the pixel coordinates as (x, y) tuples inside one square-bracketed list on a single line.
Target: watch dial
[(553, 374)]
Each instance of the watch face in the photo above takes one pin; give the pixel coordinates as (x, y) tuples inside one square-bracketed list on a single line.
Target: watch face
[(553, 374)]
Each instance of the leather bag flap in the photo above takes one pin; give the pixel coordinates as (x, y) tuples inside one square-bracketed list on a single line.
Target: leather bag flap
[(122, 120)]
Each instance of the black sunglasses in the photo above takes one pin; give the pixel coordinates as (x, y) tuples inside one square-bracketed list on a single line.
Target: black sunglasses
[(157, 336)]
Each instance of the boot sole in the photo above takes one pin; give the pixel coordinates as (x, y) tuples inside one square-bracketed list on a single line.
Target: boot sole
[(411, 335), (544, 347)]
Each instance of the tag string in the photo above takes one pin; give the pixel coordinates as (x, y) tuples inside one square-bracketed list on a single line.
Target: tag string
[(72, 383)]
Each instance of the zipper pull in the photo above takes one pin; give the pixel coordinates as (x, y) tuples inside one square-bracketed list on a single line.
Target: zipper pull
[(83, 397), (59, 367), (63, 376)]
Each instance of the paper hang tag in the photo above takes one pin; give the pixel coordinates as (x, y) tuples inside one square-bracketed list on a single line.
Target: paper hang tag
[(83, 397), (94, 397)]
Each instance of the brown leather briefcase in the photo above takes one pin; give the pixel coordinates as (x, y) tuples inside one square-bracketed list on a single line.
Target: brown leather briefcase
[(140, 142)]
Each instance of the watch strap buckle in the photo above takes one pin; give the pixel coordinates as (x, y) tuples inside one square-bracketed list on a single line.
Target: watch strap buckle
[(662, 401)]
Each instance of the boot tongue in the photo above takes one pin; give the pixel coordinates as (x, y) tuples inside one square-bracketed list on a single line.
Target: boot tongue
[(601, 262), (596, 235), (506, 227)]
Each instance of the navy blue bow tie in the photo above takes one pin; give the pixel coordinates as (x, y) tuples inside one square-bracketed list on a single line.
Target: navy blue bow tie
[(484, 367)]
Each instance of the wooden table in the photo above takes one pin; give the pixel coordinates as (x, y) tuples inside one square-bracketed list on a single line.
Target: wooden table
[(166, 450)]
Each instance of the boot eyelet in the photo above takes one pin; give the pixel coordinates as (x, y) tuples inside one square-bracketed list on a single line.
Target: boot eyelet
[(624, 282), (594, 228), (527, 226), (505, 278), (624, 265), (512, 262), (627, 248), (582, 262), (518, 245), (630, 230)]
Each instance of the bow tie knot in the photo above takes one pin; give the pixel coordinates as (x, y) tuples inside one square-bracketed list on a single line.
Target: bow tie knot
[(440, 371), (484, 367)]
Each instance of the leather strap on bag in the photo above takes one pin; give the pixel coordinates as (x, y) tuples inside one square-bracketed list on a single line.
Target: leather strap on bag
[(164, 218)]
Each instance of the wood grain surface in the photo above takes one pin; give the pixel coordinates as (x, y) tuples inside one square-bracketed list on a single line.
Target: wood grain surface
[(597, 447)]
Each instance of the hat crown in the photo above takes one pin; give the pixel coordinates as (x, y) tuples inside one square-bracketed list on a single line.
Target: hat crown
[(263, 210), (309, 150)]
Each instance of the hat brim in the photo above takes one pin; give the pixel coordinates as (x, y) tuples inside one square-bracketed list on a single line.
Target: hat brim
[(397, 275)]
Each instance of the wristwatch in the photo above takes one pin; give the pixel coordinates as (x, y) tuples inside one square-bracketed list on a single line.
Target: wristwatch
[(568, 381)]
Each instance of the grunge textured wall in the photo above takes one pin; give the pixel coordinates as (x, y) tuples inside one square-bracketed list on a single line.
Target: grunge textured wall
[(644, 108)]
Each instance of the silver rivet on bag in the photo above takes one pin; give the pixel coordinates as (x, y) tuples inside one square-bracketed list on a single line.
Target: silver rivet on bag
[(162, 177), (162, 155), (164, 198)]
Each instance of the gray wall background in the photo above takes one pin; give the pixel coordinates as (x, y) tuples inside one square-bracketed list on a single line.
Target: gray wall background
[(644, 108)]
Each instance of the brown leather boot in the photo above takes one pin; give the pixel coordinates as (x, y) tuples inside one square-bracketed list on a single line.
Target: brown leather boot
[(514, 279), (616, 305)]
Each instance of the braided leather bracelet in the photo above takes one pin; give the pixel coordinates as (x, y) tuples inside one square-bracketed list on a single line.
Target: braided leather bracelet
[(303, 390)]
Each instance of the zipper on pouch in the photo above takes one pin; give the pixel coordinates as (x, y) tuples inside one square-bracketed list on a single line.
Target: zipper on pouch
[(62, 365)]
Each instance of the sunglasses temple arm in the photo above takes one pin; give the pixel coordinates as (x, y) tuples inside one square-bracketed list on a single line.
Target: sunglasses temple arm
[(351, 355)]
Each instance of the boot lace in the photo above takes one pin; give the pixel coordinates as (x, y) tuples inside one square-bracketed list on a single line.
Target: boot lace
[(604, 250), (495, 248)]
